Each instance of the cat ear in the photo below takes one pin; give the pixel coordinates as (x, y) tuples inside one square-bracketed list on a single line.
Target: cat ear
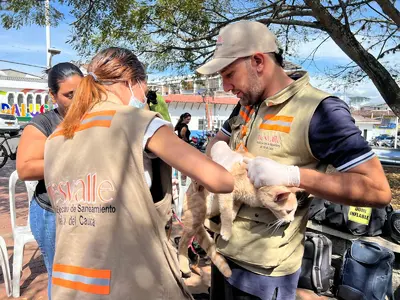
[(282, 197), (280, 193)]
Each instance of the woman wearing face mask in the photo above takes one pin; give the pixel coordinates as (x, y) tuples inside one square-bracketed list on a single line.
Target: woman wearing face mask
[(182, 127), (63, 79), (113, 206)]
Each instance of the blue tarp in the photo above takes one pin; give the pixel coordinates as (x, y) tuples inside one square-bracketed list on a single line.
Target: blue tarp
[(388, 156), (198, 133)]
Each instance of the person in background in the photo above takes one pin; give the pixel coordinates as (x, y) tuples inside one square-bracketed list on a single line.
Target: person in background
[(113, 206), (182, 127), (63, 79)]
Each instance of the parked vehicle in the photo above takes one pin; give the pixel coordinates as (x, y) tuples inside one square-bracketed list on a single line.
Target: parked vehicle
[(4, 152), (383, 140), (199, 143), (9, 124)]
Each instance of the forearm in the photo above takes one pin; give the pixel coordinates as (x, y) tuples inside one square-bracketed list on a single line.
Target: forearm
[(346, 188), (31, 170)]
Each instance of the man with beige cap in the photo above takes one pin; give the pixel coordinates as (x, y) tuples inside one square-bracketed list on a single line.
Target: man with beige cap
[(295, 131)]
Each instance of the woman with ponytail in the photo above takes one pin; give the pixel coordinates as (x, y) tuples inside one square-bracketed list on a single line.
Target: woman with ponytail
[(107, 169), (182, 127), (63, 79)]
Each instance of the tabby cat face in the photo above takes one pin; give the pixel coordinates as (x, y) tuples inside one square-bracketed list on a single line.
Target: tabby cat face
[(280, 200)]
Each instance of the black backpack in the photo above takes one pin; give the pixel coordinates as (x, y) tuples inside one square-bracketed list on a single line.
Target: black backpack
[(316, 271), (366, 272), (393, 225), (356, 220)]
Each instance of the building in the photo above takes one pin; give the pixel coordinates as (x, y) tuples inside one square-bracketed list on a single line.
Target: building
[(208, 113), (201, 96), (23, 94), (26, 95), (376, 107), (366, 125), (386, 120)]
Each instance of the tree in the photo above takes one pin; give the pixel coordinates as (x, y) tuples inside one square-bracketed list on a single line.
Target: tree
[(181, 34)]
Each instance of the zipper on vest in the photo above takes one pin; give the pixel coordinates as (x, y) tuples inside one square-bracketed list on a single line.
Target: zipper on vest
[(252, 123)]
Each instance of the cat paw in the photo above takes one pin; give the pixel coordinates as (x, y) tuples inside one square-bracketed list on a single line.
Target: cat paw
[(226, 235)]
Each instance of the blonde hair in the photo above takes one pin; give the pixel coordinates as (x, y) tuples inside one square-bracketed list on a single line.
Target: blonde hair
[(109, 66)]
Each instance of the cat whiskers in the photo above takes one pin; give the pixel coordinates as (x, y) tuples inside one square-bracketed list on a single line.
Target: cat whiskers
[(275, 225)]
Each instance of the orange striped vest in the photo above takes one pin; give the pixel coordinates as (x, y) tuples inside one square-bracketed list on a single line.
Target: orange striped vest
[(277, 129), (110, 238)]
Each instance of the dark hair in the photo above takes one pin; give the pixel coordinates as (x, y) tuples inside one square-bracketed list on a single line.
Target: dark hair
[(109, 66), (59, 73), (279, 58), (181, 118)]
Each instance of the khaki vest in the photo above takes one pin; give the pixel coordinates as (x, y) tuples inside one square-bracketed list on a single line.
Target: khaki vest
[(278, 129), (110, 241)]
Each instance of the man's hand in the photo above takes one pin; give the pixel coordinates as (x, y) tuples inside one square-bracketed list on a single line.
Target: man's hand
[(265, 172), (223, 155)]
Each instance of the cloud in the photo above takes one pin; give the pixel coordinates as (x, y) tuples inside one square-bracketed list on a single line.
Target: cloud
[(327, 50), (326, 60), (363, 89)]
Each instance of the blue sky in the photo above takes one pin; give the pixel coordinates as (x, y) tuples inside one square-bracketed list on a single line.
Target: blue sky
[(28, 45)]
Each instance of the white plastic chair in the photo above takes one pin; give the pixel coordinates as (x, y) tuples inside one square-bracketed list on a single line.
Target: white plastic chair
[(21, 234), (182, 192), (5, 267)]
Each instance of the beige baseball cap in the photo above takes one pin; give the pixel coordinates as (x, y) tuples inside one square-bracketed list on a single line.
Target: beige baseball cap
[(240, 39)]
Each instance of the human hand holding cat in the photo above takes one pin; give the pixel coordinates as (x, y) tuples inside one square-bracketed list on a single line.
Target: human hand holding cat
[(263, 171), (223, 155)]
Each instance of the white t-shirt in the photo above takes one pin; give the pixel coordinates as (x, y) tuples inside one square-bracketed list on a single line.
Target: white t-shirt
[(154, 125)]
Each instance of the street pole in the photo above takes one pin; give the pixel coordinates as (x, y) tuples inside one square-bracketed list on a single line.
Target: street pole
[(395, 134), (47, 16)]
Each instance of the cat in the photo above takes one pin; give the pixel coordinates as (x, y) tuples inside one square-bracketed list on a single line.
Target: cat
[(200, 205)]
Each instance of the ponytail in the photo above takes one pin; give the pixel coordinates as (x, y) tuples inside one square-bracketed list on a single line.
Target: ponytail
[(109, 66), (181, 118), (88, 93)]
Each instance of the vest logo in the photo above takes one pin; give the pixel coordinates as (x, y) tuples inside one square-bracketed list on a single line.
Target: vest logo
[(276, 123), (85, 190), (268, 140)]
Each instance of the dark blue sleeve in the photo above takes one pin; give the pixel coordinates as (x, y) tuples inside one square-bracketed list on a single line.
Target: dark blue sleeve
[(335, 139), (226, 128)]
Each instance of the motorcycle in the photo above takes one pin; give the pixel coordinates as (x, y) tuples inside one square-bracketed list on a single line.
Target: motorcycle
[(199, 143)]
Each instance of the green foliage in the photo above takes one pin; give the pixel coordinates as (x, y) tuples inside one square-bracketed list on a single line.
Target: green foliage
[(161, 107), (181, 34)]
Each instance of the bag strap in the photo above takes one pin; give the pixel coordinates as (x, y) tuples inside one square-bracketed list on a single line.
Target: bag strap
[(389, 289), (317, 262)]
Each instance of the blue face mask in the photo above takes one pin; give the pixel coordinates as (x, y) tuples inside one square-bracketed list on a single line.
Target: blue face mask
[(135, 102)]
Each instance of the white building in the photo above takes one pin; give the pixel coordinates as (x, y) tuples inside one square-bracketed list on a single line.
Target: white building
[(366, 125), (26, 95), (201, 97), (206, 115), (22, 94)]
